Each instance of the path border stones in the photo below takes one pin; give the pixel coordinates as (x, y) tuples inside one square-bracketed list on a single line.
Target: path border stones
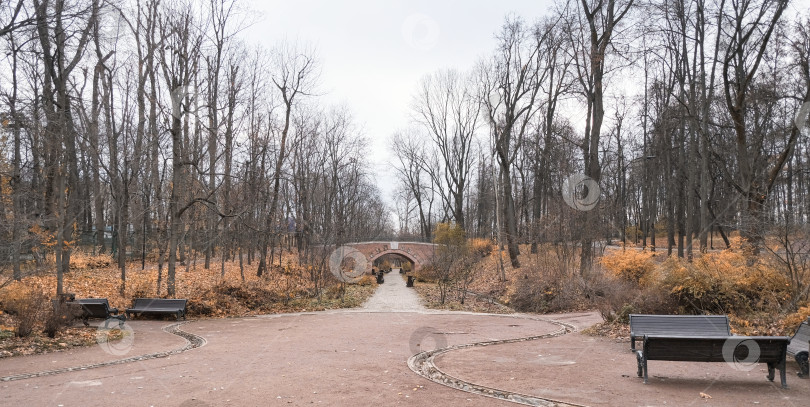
[(192, 341), (423, 364)]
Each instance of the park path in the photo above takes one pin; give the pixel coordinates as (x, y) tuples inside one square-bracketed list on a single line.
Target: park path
[(394, 296)]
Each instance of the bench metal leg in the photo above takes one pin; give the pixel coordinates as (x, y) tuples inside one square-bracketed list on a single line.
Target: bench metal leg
[(782, 376), (642, 365), (120, 319), (804, 364)]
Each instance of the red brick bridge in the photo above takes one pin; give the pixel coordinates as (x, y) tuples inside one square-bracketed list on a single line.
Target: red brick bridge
[(420, 254)]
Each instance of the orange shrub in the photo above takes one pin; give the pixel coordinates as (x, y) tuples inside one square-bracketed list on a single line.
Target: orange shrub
[(792, 321), (480, 247), (724, 282), (631, 265)]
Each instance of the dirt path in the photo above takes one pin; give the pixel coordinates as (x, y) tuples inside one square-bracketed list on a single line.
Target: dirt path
[(394, 296)]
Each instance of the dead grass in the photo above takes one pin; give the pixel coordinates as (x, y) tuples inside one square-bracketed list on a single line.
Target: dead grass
[(473, 303), (38, 342)]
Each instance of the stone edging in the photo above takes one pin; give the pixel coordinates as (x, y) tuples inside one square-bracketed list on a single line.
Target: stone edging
[(192, 341), (423, 364)]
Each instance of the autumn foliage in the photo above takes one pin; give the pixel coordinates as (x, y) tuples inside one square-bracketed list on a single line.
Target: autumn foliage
[(25, 306), (754, 292)]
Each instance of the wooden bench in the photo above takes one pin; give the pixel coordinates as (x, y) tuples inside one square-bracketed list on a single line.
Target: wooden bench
[(172, 306), (742, 350), (677, 325), (800, 346), (98, 308)]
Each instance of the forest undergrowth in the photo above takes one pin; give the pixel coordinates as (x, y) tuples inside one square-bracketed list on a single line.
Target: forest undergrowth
[(29, 324)]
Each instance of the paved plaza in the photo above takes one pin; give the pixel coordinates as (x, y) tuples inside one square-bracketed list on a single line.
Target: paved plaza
[(359, 357)]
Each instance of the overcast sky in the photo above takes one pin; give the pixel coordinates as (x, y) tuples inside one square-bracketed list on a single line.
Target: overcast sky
[(373, 53)]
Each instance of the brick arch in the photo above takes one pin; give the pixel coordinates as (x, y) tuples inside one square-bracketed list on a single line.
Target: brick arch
[(398, 252)]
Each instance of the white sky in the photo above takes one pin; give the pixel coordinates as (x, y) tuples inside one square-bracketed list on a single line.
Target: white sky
[(373, 53)]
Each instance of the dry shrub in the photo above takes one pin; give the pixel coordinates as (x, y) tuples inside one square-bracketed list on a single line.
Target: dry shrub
[(81, 260), (616, 298), (26, 304), (724, 282), (60, 316), (141, 288), (537, 293), (548, 281), (543, 292), (633, 266), (425, 274), (334, 292), (791, 322), (480, 247), (228, 298), (366, 280)]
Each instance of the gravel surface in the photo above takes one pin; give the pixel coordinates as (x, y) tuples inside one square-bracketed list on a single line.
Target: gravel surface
[(394, 296)]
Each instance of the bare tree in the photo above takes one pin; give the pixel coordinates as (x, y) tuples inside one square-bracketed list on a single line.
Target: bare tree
[(410, 153), (178, 61), (295, 74), (601, 18), (748, 28), (446, 107), (510, 85), (62, 50)]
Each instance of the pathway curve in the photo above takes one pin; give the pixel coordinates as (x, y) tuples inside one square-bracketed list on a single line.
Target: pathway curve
[(192, 341), (394, 296)]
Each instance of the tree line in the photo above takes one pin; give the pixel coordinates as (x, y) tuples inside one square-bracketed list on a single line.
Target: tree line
[(157, 123), (686, 119)]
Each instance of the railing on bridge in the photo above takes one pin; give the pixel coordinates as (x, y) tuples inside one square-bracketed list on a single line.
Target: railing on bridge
[(378, 238)]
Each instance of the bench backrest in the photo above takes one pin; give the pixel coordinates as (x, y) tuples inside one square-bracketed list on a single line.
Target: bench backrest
[(800, 342), (679, 325), (84, 301), (171, 303), (713, 349), (96, 309)]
